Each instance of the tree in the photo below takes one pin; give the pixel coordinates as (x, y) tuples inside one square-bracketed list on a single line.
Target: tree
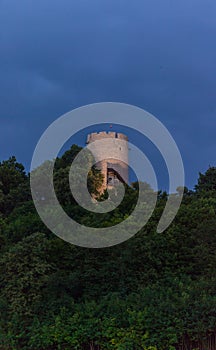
[(207, 181), (14, 186)]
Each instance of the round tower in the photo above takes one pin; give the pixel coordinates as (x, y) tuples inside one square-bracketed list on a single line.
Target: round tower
[(114, 152)]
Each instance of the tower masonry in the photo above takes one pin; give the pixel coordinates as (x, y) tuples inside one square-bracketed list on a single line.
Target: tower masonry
[(111, 156)]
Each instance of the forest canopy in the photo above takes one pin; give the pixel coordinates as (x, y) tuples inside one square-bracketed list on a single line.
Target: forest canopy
[(156, 291)]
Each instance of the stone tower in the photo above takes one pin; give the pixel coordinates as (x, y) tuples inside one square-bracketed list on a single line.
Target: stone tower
[(114, 147)]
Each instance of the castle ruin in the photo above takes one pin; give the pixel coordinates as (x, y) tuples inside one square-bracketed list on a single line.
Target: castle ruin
[(114, 153)]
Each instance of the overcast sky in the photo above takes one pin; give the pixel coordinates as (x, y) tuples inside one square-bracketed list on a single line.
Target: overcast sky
[(157, 54)]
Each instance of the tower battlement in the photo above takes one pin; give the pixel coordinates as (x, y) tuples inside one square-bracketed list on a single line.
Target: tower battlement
[(94, 136)]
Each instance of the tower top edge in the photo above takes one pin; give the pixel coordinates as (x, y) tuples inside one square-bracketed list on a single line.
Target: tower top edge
[(105, 134)]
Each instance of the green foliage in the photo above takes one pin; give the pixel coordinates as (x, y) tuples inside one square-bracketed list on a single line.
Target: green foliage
[(14, 187), (153, 292), (207, 182)]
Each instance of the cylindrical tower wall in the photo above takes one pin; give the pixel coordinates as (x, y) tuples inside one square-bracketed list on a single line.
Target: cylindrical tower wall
[(114, 152)]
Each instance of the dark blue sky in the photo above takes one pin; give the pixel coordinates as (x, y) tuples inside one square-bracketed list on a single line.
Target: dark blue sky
[(157, 54)]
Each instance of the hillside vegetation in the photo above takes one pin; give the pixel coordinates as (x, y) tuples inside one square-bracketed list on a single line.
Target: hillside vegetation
[(156, 291)]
